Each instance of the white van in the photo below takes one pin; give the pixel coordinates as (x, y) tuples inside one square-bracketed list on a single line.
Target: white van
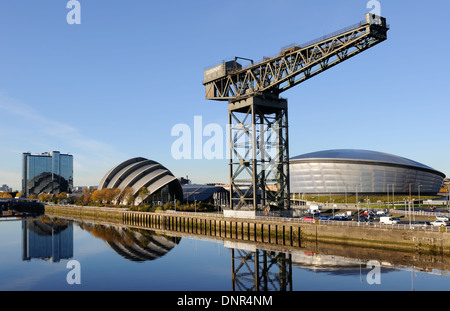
[(315, 209), (388, 220)]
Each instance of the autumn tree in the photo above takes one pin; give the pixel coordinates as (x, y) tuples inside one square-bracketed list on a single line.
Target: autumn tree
[(143, 194), (45, 197), (5, 195), (127, 195), (96, 196), (116, 195)]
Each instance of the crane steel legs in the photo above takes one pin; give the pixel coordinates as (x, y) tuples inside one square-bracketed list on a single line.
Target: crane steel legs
[(259, 154)]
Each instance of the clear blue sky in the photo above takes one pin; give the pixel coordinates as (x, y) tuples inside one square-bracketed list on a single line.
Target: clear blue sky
[(113, 87)]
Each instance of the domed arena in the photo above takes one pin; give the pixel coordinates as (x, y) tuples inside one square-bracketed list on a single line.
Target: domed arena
[(159, 183), (361, 171)]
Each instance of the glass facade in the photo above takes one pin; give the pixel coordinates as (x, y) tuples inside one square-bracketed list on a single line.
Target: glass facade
[(351, 171), (46, 240), (47, 173)]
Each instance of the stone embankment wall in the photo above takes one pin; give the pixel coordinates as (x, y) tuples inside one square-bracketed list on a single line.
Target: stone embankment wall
[(273, 230)]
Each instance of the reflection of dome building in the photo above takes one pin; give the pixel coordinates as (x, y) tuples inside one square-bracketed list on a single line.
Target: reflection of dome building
[(367, 172), (138, 173), (47, 173), (48, 183), (134, 245), (145, 246)]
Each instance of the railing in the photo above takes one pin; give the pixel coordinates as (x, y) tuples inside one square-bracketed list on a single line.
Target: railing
[(353, 223), (271, 216)]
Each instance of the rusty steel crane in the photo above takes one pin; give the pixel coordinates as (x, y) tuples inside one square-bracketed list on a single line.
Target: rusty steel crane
[(258, 119)]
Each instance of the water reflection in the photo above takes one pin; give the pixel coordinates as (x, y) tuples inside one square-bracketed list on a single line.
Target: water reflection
[(260, 270), (133, 244), (52, 239), (249, 266), (46, 239)]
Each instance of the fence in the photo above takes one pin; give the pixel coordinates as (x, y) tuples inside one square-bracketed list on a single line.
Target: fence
[(352, 223)]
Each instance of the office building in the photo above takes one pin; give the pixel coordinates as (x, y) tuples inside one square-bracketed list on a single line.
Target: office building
[(47, 173)]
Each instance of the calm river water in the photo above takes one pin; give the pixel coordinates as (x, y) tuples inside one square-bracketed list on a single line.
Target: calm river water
[(46, 254)]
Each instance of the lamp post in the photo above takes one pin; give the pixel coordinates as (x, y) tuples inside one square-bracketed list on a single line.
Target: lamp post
[(409, 204), (419, 194), (448, 196), (387, 190), (393, 197), (357, 203)]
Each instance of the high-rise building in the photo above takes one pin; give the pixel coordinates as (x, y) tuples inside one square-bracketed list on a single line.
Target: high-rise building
[(5, 188), (47, 173)]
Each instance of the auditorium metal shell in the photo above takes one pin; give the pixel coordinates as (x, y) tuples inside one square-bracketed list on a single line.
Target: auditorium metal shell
[(363, 171), (140, 172)]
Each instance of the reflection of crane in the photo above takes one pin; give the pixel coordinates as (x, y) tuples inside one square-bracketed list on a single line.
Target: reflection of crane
[(260, 271), (259, 157)]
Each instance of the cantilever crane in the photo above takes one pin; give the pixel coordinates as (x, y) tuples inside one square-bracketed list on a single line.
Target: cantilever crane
[(259, 157)]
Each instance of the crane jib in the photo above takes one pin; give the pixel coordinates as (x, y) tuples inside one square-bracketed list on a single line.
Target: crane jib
[(230, 81)]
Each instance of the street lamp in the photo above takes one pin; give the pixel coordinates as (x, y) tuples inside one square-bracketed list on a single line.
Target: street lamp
[(419, 194), (448, 196), (393, 198)]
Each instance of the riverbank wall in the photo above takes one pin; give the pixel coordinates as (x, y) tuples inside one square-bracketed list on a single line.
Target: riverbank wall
[(285, 231)]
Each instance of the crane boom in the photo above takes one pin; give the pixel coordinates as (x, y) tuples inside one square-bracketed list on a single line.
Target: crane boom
[(230, 82)]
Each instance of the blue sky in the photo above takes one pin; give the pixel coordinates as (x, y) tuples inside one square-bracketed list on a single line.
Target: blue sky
[(114, 86)]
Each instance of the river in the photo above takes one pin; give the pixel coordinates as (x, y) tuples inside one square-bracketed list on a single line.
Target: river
[(48, 254)]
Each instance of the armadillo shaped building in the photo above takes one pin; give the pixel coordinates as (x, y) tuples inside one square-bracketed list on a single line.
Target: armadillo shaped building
[(138, 173)]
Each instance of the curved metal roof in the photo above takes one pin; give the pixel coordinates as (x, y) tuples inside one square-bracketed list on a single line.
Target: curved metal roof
[(154, 247), (137, 173), (361, 155), (104, 183), (199, 192)]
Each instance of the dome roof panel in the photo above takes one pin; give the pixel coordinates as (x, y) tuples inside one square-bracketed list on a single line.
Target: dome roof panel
[(360, 155)]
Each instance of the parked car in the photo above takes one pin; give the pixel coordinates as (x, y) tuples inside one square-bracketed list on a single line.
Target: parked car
[(438, 223), (308, 219), (364, 219), (421, 224), (341, 218), (442, 217), (388, 220), (324, 217)]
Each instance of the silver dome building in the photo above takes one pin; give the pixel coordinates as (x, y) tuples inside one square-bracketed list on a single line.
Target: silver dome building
[(363, 171), (138, 173)]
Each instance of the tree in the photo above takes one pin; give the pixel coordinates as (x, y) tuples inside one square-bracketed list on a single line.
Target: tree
[(45, 197), (143, 194), (87, 198), (127, 196), (116, 195), (96, 196), (5, 195), (108, 195)]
